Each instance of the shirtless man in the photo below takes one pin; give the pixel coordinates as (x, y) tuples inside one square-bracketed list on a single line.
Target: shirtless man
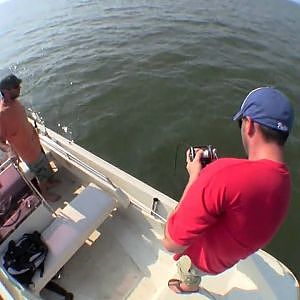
[(18, 134)]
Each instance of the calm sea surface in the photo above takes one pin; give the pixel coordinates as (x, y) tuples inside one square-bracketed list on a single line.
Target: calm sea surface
[(135, 82)]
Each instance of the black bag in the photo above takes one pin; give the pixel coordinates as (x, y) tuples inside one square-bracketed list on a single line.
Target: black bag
[(24, 257)]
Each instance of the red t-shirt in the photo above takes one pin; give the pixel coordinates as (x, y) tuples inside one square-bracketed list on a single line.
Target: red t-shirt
[(233, 208)]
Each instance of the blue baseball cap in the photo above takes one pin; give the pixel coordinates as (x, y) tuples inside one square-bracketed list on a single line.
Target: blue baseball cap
[(269, 107)]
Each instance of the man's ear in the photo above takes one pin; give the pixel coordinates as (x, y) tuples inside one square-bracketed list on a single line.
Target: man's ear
[(250, 126), (5, 93)]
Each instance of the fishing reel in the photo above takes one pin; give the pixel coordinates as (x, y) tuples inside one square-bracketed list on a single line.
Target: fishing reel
[(209, 154)]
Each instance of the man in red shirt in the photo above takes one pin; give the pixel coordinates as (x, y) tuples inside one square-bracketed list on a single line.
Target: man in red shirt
[(17, 134), (233, 207)]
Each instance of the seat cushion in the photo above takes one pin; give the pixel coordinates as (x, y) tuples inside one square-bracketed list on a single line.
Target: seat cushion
[(73, 225)]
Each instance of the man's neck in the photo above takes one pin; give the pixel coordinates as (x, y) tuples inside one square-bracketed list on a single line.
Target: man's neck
[(8, 100), (269, 151)]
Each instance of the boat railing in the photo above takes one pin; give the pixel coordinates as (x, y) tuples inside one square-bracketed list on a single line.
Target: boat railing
[(117, 191), (12, 289), (120, 194)]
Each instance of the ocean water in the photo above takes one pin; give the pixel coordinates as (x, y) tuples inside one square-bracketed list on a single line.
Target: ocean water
[(136, 82)]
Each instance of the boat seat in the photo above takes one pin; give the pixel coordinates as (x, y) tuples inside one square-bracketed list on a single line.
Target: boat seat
[(71, 228)]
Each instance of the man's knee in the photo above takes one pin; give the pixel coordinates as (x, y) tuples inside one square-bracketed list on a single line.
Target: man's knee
[(188, 273)]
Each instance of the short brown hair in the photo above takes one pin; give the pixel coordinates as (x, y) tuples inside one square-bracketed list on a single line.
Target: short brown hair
[(272, 135)]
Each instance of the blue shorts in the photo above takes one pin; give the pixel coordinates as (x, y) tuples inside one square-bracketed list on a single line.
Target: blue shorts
[(41, 168)]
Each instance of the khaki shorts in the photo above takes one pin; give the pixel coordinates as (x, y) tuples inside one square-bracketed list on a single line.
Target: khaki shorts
[(188, 273), (41, 168)]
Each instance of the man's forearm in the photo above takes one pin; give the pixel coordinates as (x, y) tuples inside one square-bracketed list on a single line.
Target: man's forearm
[(168, 242), (170, 245), (194, 167)]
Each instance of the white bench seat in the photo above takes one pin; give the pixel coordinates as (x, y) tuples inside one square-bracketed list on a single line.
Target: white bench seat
[(71, 228)]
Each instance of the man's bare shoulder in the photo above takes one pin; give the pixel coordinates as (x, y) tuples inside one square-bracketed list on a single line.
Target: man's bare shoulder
[(12, 107)]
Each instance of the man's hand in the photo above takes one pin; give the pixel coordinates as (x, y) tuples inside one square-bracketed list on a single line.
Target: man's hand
[(194, 167), (14, 156), (4, 147)]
